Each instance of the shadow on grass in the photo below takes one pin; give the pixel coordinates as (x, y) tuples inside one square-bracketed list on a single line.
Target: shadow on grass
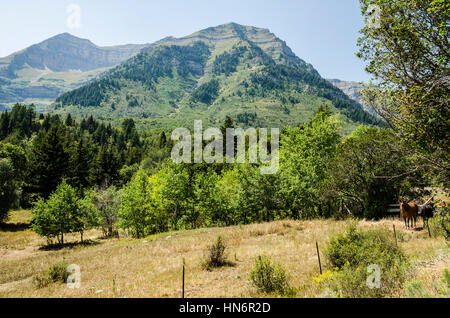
[(14, 227), (211, 268), (57, 247)]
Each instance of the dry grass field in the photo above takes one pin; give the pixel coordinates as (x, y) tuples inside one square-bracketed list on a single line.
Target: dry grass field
[(151, 267)]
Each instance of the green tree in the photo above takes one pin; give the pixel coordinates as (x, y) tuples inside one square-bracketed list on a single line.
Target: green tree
[(106, 166), (107, 202), (134, 208), (7, 188), (407, 50), (304, 156), (49, 161), (369, 172), (80, 163), (176, 193), (64, 212)]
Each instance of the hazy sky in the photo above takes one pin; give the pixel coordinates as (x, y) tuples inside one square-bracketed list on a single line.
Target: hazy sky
[(322, 32)]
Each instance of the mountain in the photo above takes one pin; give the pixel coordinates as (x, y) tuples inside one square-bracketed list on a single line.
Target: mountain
[(241, 71), (56, 65), (352, 90)]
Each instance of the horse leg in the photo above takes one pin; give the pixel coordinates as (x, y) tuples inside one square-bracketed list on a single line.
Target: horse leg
[(406, 225)]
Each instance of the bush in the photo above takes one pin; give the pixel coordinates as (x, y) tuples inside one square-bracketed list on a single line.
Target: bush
[(437, 288), (56, 273), (268, 277), (440, 224), (352, 253), (215, 255), (416, 289)]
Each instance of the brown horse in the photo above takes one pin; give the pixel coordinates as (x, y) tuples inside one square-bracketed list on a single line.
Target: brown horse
[(409, 211)]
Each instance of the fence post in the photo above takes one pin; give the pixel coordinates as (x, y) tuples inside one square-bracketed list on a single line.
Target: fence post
[(183, 278), (395, 235), (318, 256)]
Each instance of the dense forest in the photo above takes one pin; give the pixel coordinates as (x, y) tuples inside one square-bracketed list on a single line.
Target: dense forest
[(88, 174)]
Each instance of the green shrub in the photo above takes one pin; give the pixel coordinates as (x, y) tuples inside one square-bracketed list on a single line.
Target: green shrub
[(56, 273), (215, 255), (360, 248), (437, 288), (268, 277), (416, 289), (446, 278), (350, 254), (440, 224)]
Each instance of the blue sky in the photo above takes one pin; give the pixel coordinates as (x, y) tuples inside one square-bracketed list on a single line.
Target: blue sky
[(322, 32)]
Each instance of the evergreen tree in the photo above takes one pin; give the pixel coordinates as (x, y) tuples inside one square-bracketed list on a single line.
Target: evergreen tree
[(80, 164), (106, 166), (49, 161)]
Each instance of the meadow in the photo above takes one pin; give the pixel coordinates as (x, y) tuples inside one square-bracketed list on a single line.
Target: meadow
[(152, 266)]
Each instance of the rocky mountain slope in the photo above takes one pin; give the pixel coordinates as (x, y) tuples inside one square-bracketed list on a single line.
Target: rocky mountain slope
[(352, 89), (241, 71), (61, 63)]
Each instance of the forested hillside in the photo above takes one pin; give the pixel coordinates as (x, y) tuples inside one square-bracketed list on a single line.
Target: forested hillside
[(230, 70)]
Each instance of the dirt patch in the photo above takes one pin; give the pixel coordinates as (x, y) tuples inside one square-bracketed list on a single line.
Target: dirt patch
[(9, 254)]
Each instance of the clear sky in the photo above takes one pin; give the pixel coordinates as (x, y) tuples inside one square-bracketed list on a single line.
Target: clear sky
[(322, 32)]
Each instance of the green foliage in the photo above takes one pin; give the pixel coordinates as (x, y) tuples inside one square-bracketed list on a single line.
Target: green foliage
[(226, 63), (207, 93), (139, 211), (416, 289), (107, 203), (64, 212), (215, 255), (268, 277), (408, 55), (7, 188), (49, 161), (439, 288), (56, 273), (304, 157), (18, 123), (440, 223), (351, 254), (371, 170)]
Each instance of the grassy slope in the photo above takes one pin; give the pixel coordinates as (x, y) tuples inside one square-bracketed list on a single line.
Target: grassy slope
[(58, 81), (152, 267)]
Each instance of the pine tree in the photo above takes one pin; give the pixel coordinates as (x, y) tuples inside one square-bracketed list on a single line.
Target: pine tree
[(105, 168), (80, 164), (49, 161)]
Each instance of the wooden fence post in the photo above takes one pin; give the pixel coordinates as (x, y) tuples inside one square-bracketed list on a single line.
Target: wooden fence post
[(395, 235), (183, 278), (318, 256)]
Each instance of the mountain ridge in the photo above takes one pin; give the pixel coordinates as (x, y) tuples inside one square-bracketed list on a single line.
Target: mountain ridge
[(55, 65), (228, 70)]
